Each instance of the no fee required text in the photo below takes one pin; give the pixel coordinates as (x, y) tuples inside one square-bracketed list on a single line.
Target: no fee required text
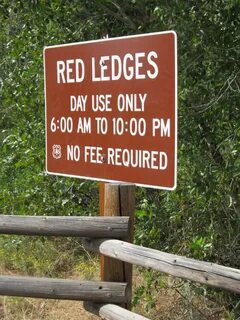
[(156, 160)]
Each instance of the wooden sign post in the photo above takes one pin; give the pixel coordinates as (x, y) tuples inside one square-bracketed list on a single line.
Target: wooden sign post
[(118, 200)]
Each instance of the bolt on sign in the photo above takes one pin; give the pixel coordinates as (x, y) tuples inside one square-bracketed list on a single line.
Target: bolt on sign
[(111, 109)]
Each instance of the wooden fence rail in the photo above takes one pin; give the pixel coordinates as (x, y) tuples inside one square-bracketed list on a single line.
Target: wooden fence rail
[(112, 312), (203, 272), (97, 227), (99, 291)]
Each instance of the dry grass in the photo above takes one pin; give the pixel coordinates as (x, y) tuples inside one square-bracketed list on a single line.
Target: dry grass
[(39, 309)]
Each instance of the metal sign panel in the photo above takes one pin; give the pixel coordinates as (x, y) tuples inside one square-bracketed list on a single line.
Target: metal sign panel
[(111, 109)]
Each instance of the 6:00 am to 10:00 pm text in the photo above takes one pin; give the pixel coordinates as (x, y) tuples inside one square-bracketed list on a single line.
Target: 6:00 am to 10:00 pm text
[(135, 126)]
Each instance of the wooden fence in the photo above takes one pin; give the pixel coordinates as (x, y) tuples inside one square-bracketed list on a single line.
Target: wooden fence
[(110, 235)]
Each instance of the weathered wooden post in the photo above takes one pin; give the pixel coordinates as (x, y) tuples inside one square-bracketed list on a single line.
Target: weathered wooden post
[(118, 200)]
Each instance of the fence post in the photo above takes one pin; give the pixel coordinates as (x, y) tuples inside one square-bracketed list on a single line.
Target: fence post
[(118, 200)]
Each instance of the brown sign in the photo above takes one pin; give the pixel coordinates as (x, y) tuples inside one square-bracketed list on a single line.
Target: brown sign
[(111, 109)]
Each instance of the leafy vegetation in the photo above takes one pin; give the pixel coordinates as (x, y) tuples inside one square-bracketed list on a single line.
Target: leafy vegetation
[(201, 218)]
